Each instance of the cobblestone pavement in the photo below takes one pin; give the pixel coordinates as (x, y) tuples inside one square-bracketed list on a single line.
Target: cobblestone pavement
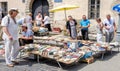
[(109, 63)]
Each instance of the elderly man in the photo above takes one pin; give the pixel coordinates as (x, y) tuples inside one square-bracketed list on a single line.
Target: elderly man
[(27, 36), (10, 37), (110, 28)]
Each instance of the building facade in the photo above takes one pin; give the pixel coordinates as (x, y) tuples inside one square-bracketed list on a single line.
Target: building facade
[(91, 8)]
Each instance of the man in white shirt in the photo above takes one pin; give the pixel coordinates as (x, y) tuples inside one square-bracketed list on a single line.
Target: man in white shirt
[(47, 22), (10, 37), (110, 28)]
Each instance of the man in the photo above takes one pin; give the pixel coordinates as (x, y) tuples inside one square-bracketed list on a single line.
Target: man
[(84, 24), (110, 28), (47, 22), (27, 36), (10, 37)]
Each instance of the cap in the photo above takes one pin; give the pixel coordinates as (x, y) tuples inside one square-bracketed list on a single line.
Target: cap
[(14, 9), (24, 25)]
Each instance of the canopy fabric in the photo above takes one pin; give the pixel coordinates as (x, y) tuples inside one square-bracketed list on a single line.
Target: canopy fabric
[(116, 8), (64, 7)]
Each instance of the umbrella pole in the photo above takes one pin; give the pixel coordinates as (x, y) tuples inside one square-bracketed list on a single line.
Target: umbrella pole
[(65, 15)]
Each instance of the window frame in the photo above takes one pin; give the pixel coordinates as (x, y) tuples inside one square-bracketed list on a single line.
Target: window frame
[(95, 11)]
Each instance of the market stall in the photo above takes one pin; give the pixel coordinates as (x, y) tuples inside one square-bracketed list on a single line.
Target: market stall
[(63, 49)]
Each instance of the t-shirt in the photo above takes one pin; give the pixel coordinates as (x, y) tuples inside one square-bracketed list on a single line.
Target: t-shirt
[(28, 33), (20, 21), (109, 24), (84, 23), (38, 20), (46, 20), (12, 27)]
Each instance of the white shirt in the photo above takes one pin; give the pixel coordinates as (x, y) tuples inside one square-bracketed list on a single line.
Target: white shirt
[(12, 27), (46, 20), (38, 20), (109, 24)]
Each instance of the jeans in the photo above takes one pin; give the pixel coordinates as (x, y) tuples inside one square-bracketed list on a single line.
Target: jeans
[(84, 34)]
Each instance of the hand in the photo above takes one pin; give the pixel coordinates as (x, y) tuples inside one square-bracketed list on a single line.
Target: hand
[(10, 37), (107, 27), (68, 32)]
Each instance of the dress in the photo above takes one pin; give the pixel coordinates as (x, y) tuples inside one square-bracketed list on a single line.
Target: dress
[(99, 34), (28, 21), (71, 26)]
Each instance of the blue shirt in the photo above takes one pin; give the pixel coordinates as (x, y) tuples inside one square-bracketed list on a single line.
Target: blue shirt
[(20, 21), (84, 23), (28, 33)]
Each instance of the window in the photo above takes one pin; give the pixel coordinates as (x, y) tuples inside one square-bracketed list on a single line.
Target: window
[(4, 7), (57, 1), (94, 9)]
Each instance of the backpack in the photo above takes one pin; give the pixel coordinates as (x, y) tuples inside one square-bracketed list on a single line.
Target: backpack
[(1, 32)]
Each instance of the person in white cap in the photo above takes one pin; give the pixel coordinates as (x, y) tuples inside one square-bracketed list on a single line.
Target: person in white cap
[(27, 36), (10, 37)]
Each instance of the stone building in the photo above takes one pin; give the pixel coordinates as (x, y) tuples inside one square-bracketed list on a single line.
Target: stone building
[(91, 8)]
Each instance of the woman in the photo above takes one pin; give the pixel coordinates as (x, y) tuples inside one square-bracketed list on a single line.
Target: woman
[(39, 19), (71, 27), (99, 30)]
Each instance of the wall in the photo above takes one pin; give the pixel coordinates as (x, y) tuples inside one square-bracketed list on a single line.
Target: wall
[(59, 17), (105, 8), (17, 4)]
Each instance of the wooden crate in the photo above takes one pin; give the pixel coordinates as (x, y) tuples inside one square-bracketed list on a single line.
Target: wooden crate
[(89, 60)]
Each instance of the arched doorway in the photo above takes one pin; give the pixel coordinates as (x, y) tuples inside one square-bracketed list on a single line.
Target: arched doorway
[(40, 6)]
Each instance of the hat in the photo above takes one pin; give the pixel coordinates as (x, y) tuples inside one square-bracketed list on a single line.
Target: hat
[(14, 9), (24, 25)]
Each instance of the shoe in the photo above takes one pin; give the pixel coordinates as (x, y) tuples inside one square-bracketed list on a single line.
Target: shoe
[(15, 62), (10, 65)]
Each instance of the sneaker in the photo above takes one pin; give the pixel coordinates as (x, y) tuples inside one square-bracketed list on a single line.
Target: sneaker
[(10, 65), (15, 62)]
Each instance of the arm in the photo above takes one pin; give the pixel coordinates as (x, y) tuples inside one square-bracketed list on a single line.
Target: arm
[(115, 28), (75, 22), (27, 38), (67, 27), (4, 25), (5, 29), (101, 26)]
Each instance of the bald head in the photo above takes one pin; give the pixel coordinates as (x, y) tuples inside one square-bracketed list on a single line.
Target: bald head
[(84, 17)]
